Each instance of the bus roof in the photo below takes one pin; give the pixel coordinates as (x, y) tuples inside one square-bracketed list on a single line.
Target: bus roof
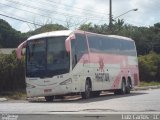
[(112, 36), (68, 32), (120, 37), (50, 34)]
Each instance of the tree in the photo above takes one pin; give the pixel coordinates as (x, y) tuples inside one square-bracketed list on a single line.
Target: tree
[(48, 28), (149, 66), (12, 73), (9, 37), (86, 27)]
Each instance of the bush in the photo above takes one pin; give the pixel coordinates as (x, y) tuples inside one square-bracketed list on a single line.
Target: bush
[(12, 75), (149, 67)]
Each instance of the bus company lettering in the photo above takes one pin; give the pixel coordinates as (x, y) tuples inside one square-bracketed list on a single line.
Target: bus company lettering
[(102, 76)]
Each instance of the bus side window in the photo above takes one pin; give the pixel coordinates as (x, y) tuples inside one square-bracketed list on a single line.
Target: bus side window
[(80, 45)]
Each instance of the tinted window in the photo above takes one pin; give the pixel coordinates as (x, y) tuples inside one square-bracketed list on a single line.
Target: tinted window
[(94, 43), (36, 50), (81, 45), (104, 44), (57, 57), (47, 57)]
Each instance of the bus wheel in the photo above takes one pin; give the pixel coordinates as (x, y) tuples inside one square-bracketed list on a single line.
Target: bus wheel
[(96, 93), (88, 89), (123, 87), (122, 90), (128, 90), (49, 98), (129, 86), (59, 97), (117, 92)]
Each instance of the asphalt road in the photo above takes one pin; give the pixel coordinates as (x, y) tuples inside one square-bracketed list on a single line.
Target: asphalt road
[(137, 102)]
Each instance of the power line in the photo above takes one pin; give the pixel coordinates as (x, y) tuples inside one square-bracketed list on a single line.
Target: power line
[(41, 15), (75, 7), (69, 6), (11, 13), (31, 12), (45, 10), (20, 19), (24, 10), (85, 10), (33, 7)]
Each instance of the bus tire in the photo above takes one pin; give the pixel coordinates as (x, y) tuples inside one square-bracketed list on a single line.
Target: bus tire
[(122, 90), (96, 93), (128, 90), (59, 97), (88, 88), (123, 87), (117, 92), (49, 98), (129, 86)]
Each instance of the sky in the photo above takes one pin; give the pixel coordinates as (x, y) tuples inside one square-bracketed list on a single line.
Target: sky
[(73, 13)]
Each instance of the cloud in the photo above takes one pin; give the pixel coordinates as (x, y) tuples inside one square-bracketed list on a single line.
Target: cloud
[(148, 11), (80, 11)]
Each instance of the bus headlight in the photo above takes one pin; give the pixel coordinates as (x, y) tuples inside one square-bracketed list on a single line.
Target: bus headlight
[(68, 81), (30, 86)]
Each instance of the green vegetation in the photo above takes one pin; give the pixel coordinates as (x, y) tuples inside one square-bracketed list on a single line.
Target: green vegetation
[(45, 28), (149, 67), (9, 37), (11, 73), (48, 28), (18, 95), (147, 40), (143, 84)]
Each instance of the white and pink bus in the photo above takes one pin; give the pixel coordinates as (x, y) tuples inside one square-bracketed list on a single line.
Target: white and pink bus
[(79, 62)]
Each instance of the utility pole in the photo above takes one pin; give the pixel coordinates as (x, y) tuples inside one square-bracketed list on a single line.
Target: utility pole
[(110, 14)]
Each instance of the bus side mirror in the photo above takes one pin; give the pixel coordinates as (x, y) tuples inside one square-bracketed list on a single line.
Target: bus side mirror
[(67, 45), (23, 51), (19, 49)]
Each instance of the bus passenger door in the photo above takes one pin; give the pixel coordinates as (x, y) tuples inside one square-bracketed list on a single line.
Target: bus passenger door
[(80, 58), (79, 52), (73, 54)]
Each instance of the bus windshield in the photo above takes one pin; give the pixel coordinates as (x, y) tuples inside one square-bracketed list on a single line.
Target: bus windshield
[(47, 57)]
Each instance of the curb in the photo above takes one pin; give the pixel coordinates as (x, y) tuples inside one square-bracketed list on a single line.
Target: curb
[(3, 99), (146, 88)]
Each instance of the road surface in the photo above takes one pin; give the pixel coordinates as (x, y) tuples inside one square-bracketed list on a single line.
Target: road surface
[(137, 101)]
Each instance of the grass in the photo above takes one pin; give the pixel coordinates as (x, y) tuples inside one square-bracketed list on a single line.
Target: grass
[(143, 84), (19, 95)]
